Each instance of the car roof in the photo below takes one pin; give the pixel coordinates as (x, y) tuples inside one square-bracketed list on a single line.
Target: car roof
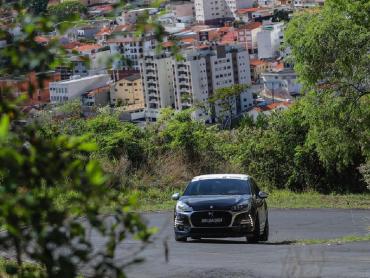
[(221, 176)]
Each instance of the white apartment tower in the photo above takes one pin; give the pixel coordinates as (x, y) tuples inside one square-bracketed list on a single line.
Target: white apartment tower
[(218, 11), (157, 78), (270, 39), (191, 86), (194, 79)]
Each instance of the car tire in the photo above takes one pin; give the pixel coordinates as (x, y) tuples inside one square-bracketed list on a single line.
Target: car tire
[(181, 238), (256, 232), (265, 235)]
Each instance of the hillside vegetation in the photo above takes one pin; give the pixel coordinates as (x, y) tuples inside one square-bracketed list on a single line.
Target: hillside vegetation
[(282, 151), (321, 143)]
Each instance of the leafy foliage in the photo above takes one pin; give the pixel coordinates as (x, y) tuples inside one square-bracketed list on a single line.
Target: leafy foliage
[(37, 7), (330, 47), (280, 15), (38, 168), (223, 100)]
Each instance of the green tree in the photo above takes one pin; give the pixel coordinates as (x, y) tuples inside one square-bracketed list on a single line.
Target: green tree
[(224, 100), (37, 7), (47, 183), (330, 50), (116, 139), (330, 47), (280, 15)]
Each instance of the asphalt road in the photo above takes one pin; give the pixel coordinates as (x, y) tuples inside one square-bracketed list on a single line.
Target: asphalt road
[(277, 258)]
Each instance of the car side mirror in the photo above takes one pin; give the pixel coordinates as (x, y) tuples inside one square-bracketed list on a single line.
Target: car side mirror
[(263, 195), (175, 196)]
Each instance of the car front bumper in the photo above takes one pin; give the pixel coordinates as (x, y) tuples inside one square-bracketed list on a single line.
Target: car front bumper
[(241, 225)]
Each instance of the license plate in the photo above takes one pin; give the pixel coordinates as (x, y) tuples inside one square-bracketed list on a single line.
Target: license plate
[(212, 220)]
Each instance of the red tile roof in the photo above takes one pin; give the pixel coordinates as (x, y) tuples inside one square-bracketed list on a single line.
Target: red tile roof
[(257, 62), (279, 66), (124, 28), (229, 37), (40, 39), (188, 40), (105, 8), (72, 45), (202, 46), (168, 44), (104, 31), (252, 25), (273, 106), (88, 47), (100, 90), (247, 10)]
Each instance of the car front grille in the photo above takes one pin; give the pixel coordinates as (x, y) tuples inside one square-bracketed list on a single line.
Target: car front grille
[(211, 218)]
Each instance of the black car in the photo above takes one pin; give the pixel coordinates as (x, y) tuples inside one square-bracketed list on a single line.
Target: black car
[(222, 205)]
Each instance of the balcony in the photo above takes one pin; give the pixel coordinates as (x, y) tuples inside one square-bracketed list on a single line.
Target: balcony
[(153, 99), (183, 80), (186, 87), (151, 73), (181, 72), (149, 65)]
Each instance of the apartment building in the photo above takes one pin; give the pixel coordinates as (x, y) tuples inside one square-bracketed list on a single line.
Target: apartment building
[(131, 48), (65, 90), (157, 78), (194, 79), (230, 65), (218, 11), (269, 40), (247, 36), (93, 59), (128, 92), (192, 82), (123, 41)]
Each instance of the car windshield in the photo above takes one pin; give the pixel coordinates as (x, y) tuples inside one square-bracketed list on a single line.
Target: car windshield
[(218, 187)]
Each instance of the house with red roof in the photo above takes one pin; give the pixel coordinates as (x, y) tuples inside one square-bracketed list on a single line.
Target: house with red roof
[(87, 48), (245, 15), (22, 85), (102, 36), (42, 40), (269, 109), (257, 67)]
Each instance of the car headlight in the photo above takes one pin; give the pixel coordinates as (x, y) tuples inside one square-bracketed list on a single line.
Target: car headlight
[(245, 205), (182, 207)]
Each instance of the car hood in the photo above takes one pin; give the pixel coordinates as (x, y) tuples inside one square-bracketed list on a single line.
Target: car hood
[(214, 202)]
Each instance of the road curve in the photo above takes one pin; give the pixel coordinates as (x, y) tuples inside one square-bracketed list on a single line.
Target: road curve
[(277, 258)]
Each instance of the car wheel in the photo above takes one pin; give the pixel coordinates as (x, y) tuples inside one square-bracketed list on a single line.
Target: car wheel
[(256, 233), (265, 235), (181, 238)]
